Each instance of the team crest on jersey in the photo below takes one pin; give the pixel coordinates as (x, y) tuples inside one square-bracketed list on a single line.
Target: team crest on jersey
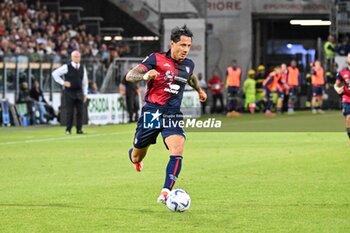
[(169, 75), (166, 65), (188, 69)]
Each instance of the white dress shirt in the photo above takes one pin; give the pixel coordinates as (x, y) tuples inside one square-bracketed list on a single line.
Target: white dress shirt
[(56, 74)]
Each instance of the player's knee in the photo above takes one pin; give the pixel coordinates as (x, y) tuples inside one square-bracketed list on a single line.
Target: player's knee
[(348, 120), (176, 150)]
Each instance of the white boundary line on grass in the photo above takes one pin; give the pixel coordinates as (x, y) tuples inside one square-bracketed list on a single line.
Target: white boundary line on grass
[(62, 138)]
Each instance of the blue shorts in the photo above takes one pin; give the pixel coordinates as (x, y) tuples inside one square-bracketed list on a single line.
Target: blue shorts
[(157, 119), (317, 90), (232, 91), (268, 94), (293, 91), (281, 93), (346, 109)]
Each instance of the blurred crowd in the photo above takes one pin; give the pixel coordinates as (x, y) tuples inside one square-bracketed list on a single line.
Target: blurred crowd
[(28, 27)]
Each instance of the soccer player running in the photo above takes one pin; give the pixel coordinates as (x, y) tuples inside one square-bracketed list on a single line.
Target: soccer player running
[(166, 75), (342, 87)]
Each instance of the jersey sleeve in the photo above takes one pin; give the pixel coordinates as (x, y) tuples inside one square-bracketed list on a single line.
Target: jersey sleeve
[(191, 67), (150, 62)]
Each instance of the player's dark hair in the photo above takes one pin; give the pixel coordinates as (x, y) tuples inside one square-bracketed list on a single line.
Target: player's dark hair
[(177, 32)]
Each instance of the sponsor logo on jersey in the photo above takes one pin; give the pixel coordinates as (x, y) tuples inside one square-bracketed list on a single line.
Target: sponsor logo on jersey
[(173, 88), (170, 76)]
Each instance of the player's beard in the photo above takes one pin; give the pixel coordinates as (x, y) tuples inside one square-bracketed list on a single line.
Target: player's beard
[(182, 56)]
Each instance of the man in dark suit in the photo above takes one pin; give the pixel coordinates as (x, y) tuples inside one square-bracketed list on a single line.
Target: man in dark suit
[(75, 90)]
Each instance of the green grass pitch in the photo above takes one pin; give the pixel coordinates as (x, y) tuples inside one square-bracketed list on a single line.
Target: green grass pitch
[(267, 181)]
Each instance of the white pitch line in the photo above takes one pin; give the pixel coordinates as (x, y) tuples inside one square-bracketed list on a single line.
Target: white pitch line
[(61, 138)]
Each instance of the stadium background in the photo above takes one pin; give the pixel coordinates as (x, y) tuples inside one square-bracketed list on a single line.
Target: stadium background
[(109, 33), (288, 173)]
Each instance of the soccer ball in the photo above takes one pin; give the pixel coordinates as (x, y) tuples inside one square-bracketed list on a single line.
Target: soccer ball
[(178, 200)]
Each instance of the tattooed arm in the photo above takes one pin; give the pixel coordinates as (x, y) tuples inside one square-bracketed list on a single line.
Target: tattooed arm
[(138, 73), (193, 82)]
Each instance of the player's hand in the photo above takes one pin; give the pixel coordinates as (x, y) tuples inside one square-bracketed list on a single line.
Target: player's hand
[(340, 90), (66, 84), (151, 74), (85, 98), (202, 96)]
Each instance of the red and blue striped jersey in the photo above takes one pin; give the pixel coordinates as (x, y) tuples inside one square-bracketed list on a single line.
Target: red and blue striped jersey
[(344, 77), (168, 87)]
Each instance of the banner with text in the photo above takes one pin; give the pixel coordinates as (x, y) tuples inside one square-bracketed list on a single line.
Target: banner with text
[(106, 109), (110, 108)]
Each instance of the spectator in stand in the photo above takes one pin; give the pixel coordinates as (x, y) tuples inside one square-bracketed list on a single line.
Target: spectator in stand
[(104, 53), (46, 110), (92, 87), (216, 85), (113, 53), (40, 32), (2, 27), (24, 95), (344, 48), (24, 98)]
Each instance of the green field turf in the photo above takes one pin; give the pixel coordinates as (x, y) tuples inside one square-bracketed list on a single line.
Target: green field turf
[(238, 181)]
